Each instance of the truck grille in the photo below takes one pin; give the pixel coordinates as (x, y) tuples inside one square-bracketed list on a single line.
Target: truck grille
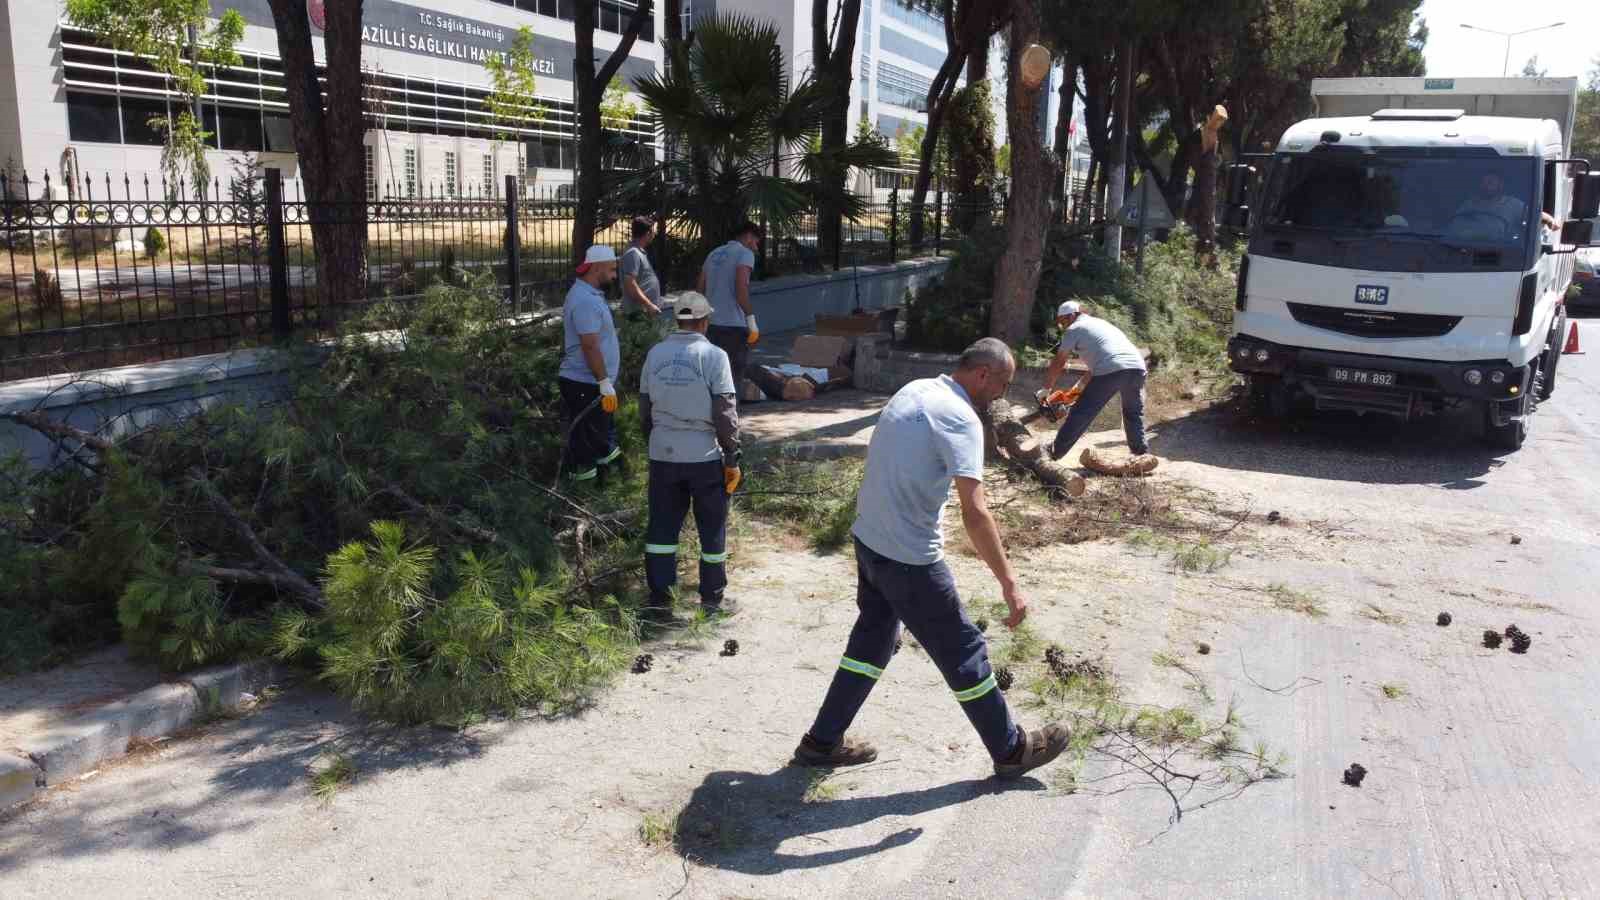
[(1372, 322)]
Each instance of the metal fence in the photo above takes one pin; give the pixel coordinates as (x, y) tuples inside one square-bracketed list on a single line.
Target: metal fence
[(106, 272)]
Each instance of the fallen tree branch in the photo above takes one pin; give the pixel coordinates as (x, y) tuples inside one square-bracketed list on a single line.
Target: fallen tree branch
[(290, 579), (438, 515), (243, 575), (61, 431), (1020, 446)]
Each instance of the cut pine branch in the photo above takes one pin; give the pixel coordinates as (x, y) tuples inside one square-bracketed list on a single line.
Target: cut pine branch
[(284, 575)]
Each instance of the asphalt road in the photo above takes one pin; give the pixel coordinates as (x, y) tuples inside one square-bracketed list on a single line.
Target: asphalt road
[(1483, 768)]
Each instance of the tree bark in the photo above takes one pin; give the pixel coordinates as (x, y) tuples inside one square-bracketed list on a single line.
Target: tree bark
[(328, 126), (939, 94), (1009, 432), (589, 87), (832, 57), (1028, 204)]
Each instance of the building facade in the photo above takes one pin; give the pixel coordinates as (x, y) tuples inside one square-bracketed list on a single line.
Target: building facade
[(69, 103)]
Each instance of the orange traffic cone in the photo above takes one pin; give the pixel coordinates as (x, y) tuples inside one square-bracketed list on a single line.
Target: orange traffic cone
[(1572, 340)]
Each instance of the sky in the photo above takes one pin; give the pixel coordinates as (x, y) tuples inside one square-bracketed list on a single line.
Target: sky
[(1456, 52)]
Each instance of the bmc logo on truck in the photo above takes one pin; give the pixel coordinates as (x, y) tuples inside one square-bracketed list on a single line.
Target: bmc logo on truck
[(1372, 294)]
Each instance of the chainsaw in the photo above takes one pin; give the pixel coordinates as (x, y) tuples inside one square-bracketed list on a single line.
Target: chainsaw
[(1055, 405)]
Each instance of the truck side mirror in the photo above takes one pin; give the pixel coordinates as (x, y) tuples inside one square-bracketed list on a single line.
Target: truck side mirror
[(1578, 232), (1241, 182), (1586, 195)]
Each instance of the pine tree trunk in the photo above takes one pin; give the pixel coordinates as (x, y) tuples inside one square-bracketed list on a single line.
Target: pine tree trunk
[(327, 124), (1028, 205), (832, 64)]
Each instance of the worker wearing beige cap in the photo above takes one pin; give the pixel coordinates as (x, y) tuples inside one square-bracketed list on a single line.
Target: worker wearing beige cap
[(590, 359), (1115, 367), (690, 416)]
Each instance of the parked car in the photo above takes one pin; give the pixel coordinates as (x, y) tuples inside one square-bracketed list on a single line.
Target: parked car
[(1586, 278)]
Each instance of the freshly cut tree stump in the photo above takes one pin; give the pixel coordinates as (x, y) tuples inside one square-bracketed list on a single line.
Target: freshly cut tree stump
[(1105, 464), (1019, 445)]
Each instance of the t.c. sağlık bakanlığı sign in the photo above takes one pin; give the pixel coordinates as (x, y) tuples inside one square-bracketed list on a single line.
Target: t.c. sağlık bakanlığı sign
[(421, 31)]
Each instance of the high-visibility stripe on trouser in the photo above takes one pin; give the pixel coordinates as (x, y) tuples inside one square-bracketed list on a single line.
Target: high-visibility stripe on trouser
[(861, 668), (662, 549), (610, 457), (715, 559), (586, 475), (977, 690)]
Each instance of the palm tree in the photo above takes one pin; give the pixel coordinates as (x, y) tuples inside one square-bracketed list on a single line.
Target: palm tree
[(728, 100)]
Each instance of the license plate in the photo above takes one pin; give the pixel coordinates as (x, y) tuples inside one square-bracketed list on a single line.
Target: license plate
[(1363, 377)]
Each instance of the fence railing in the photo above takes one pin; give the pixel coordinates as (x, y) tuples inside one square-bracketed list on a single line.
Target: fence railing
[(105, 272)]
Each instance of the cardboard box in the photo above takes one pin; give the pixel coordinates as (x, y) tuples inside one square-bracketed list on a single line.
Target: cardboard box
[(819, 351)]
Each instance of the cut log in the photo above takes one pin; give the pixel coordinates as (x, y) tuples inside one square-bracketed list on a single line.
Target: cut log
[(1105, 464), (1019, 445)]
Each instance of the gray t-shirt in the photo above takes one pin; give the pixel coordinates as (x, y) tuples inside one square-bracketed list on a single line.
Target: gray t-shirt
[(721, 268), (681, 375), (636, 262), (586, 312), (1102, 346), (928, 435)]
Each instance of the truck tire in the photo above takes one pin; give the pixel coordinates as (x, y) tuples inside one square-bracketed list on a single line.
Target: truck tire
[(1270, 398), (1514, 433)]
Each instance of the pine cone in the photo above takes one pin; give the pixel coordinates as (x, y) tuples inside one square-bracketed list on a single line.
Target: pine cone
[(1491, 639), (1003, 678)]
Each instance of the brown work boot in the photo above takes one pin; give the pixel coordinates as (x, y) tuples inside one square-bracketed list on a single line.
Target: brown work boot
[(848, 752), (1038, 747)]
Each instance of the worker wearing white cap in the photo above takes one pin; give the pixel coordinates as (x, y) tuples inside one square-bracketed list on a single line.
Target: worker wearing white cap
[(590, 359), (689, 411), (1115, 367)]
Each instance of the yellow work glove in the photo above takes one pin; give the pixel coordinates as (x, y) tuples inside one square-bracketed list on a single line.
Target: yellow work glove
[(755, 330), (608, 396), (731, 478)]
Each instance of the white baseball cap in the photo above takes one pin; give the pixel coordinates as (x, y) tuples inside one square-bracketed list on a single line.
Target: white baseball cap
[(1068, 308), (691, 306), (597, 253)]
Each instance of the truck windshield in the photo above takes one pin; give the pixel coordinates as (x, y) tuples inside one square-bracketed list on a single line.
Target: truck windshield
[(1480, 199)]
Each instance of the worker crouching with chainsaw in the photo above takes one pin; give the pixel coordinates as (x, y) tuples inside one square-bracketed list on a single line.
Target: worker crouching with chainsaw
[(928, 436), (1115, 367), (690, 416), (590, 360)]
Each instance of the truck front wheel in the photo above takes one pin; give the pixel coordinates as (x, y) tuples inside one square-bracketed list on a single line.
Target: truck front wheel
[(1506, 423)]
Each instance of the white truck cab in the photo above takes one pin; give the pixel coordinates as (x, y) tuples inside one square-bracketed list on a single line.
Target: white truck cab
[(1410, 249)]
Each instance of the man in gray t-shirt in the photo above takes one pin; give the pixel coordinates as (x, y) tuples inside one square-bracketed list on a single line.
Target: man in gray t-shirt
[(1115, 367), (725, 281), (928, 437), (641, 290)]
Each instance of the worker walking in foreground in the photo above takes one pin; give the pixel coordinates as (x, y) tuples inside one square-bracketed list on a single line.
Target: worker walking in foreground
[(688, 408), (725, 281), (590, 359), (928, 435), (1115, 366)]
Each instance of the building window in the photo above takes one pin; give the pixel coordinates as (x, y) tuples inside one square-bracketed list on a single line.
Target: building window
[(372, 172), (93, 118), (411, 172), (137, 113), (488, 175), (920, 19), (902, 87), (449, 174)]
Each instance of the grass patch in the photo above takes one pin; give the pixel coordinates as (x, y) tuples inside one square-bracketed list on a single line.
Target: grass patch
[(336, 774), (1291, 600), (821, 788), (1392, 691), (1200, 555), (658, 829), (817, 498)]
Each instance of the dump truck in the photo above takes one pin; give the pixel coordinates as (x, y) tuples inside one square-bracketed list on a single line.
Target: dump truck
[(1410, 249)]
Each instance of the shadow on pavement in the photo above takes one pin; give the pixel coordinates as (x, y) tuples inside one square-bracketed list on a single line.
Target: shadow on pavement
[(741, 821), (1445, 450), (267, 760)]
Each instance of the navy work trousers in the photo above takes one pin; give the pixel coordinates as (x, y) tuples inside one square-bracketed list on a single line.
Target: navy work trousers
[(593, 441), (736, 343), (925, 599), (1130, 384), (675, 488)]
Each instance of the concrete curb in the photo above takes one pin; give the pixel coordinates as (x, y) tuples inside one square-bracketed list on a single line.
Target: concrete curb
[(82, 744)]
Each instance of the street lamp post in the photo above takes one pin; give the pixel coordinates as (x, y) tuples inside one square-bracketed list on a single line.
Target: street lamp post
[(1505, 67)]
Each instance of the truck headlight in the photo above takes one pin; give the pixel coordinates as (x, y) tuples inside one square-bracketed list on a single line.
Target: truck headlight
[(1244, 352), (1473, 377), (1262, 355), (1497, 377)]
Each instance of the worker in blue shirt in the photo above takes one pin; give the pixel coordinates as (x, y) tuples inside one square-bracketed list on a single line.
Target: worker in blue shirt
[(689, 412), (927, 437), (587, 379)]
